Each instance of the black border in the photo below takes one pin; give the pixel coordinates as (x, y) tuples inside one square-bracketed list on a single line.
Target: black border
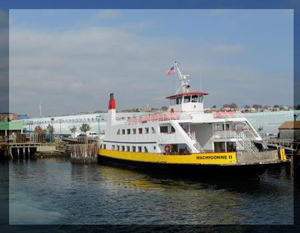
[(150, 4)]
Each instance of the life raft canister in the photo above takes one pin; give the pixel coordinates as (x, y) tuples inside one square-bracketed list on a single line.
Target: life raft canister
[(167, 148)]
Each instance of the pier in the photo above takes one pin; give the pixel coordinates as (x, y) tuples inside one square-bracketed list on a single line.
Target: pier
[(20, 151)]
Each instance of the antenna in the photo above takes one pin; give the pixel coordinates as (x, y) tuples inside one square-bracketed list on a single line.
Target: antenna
[(200, 83), (185, 87)]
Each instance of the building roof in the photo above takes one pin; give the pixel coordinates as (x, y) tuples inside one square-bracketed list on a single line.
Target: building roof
[(12, 125), (184, 94), (290, 125)]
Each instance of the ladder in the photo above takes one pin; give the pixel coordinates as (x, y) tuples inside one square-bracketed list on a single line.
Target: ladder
[(196, 144), (246, 142)]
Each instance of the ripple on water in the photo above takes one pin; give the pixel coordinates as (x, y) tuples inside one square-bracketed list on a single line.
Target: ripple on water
[(56, 192)]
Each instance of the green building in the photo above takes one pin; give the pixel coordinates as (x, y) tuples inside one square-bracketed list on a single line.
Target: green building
[(8, 127)]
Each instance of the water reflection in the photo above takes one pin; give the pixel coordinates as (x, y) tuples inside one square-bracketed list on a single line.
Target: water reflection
[(97, 194)]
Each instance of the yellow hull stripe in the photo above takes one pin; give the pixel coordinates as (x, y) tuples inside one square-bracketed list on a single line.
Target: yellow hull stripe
[(200, 158)]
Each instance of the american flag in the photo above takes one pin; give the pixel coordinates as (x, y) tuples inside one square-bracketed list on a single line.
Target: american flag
[(171, 71)]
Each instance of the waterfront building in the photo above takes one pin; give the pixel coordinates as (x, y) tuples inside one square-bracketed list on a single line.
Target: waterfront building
[(290, 130), (8, 127), (63, 124), (266, 123)]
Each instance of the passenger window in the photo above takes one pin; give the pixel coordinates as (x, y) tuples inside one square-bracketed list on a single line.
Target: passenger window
[(128, 131), (146, 130), (172, 129), (194, 98), (118, 147), (187, 99), (140, 149), (133, 149), (134, 131), (118, 131), (140, 130), (164, 129), (104, 146), (123, 131), (128, 148), (153, 130), (113, 147), (123, 148), (146, 150)]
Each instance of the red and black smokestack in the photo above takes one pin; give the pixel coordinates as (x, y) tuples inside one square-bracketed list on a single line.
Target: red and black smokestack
[(112, 102)]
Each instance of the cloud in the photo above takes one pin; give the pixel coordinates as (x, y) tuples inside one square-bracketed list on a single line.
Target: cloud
[(108, 14), (141, 25), (75, 70)]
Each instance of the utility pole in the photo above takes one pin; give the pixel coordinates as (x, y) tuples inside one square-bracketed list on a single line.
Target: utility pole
[(98, 119)]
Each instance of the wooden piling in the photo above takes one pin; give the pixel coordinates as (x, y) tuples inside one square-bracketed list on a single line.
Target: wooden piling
[(84, 153)]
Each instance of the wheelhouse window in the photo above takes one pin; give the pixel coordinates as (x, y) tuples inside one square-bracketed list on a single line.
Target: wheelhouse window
[(194, 98), (128, 131), (134, 131), (172, 129), (153, 130), (118, 132), (140, 130), (200, 99), (178, 100), (187, 99), (146, 130)]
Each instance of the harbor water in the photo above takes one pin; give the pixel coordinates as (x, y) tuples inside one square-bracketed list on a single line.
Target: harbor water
[(54, 191)]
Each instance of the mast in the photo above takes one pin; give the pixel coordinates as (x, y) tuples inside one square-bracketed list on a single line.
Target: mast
[(184, 86)]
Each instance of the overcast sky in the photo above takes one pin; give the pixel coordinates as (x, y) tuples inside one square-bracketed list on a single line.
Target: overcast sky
[(70, 60)]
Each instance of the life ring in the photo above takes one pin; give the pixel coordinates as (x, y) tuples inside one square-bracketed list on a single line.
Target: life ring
[(167, 148)]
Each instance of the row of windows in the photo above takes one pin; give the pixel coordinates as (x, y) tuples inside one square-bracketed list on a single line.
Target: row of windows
[(162, 129), (187, 99), (136, 131), (128, 148)]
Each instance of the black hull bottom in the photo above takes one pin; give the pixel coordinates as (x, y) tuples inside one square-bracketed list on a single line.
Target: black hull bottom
[(249, 172)]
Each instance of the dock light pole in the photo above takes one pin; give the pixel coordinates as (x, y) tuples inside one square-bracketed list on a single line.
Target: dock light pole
[(98, 119), (60, 125)]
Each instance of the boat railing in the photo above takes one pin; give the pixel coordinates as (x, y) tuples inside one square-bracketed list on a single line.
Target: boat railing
[(233, 133), (165, 116), (244, 138), (228, 114)]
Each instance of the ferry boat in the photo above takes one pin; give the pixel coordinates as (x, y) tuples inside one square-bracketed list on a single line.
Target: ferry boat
[(188, 140)]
